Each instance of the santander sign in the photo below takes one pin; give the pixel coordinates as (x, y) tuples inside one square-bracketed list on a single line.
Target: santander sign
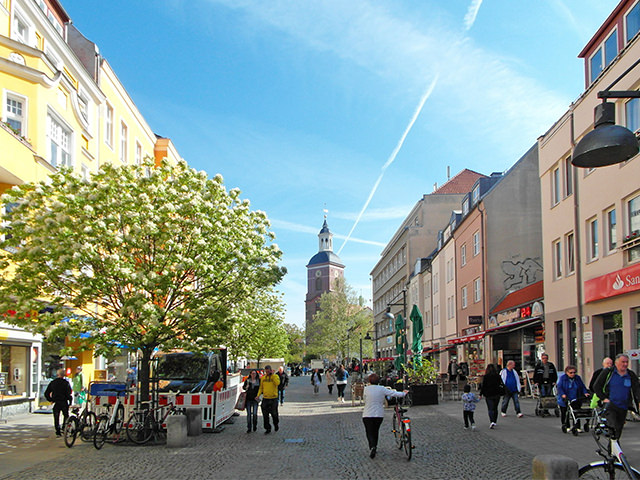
[(615, 283)]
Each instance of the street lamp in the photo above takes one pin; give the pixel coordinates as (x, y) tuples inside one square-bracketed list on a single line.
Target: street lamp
[(607, 143), (367, 337)]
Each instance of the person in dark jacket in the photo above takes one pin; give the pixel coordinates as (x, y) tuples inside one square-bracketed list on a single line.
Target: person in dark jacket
[(284, 381), (619, 390), (491, 389), (59, 393), (251, 386), (545, 375), (571, 390), (606, 363)]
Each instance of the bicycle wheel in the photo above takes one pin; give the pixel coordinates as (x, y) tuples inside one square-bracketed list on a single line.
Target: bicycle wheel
[(406, 441), (119, 419), (397, 431), (140, 427), (88, 426), (70, 431), (101, 431), (605, 471)]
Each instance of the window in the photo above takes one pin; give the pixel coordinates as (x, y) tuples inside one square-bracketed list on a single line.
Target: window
[(568, 176), (555, 186), (124, 132), (318, 283), (451, 309), (612, 239), (59, 140), (559, 346), (436, 315), (592, 231), (603, 56), (634, 225), (465, 206), (463, 255), (571, 257), (632, 21), (476, 243), (477, 293), (138, 153), (15, 113), (435, 283), (108, 126), (22, 30), (450, 271), (463, 297), (632, 114), (475, 194), (557, 259)]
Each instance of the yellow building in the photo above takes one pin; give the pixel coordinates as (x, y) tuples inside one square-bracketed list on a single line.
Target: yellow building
[(62, 105)]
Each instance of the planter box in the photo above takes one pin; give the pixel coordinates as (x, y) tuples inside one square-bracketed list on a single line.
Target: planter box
[(424, 394)]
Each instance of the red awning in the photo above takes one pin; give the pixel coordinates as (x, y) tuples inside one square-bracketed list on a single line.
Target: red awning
[(438, 349), (515, 325), (467, 338), (525, 295)]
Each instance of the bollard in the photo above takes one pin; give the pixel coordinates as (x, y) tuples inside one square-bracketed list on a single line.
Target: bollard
[(176, 431), (554, 467), (194, 422)]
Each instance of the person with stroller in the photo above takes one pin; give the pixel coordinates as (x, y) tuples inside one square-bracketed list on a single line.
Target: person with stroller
[(545, 375), (571, 390)]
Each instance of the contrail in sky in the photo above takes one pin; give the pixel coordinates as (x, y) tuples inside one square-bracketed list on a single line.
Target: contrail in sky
[(472, 13), (392, 157)]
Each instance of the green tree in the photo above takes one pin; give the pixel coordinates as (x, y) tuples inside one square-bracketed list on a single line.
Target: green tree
[(140, 256), (295, 349), (340, 322)]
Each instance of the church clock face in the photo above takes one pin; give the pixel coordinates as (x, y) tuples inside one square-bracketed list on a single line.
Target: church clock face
[(318, 273)]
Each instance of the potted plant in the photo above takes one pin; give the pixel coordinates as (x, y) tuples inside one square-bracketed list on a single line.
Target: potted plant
[(421, 378)]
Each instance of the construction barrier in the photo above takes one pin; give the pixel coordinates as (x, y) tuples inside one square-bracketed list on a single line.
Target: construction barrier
[(225, 405), (193, 400)]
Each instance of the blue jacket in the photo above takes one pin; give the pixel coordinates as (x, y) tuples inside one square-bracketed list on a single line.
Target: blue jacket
[(572, 389)]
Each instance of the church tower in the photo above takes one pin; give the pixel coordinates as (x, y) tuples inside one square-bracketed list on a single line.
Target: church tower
[(322, 270)]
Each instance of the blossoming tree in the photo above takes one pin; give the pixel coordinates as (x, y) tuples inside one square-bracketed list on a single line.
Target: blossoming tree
[(143, 256)]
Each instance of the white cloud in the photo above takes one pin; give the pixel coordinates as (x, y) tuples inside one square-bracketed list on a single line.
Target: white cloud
[(472, 13)]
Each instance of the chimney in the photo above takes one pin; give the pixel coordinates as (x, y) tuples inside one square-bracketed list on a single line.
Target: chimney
[(448, 173)]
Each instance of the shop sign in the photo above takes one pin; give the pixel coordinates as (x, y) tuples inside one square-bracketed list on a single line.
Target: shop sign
[(537, 309), (469, 331), (634, 354), (475, 319), (587, 337), (612, 284), (508, 316)]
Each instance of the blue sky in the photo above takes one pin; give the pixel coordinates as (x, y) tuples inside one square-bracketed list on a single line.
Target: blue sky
[(313, 104)]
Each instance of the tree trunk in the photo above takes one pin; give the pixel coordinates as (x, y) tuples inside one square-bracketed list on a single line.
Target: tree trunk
[(144, 373)]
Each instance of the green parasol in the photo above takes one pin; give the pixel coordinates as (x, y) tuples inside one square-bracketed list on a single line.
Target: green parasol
[(418, 330)]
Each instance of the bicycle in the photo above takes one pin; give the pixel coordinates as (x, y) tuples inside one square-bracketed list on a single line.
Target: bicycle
[(143, 424), (402, 429), (615, 464), (109, 422), (81, 421)]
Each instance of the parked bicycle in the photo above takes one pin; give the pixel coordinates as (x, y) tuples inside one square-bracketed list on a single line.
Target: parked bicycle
[(111, 421), (615, 464), (147, 423), (82, 421), (402, 429)]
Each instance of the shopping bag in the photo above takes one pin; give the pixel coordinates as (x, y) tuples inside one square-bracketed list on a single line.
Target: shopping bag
[(242, 399)]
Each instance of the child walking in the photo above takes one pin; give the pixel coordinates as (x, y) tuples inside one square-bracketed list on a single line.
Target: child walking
[(469, 401)]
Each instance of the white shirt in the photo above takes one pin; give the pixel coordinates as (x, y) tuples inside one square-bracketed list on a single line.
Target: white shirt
[(374, 396)]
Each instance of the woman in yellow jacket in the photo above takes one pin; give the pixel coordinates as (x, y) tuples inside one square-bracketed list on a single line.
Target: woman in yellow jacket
[(269, 391)]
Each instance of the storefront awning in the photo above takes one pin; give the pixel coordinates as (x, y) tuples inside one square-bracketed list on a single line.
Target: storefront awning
[(438, 349), (467, 338), (509, 327)]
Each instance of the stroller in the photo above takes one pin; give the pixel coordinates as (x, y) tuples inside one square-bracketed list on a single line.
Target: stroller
[(574, 415), (545, 404)]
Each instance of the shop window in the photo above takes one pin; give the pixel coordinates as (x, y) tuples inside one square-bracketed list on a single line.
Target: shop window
[(612, 330), (14, 369), (560, 346), (573, 343)]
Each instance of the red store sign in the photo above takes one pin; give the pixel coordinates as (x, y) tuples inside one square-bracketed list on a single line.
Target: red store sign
[(612, 284)]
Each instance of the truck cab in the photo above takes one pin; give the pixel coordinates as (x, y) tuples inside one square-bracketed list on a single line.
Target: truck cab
[(188, 372)]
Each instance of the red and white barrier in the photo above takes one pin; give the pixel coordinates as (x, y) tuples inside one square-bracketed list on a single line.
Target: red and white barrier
[(225, 404)]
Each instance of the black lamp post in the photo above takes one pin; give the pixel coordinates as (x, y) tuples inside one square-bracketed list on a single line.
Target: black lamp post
[(367, 337), (608, 143)]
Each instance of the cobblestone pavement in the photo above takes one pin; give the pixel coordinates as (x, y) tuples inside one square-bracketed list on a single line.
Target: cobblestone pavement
[(318, 439)]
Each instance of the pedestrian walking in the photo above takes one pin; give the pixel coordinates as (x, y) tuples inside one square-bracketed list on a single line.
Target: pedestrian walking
[(571, 390), (77, 385), (373, 412), (316, 380), (491, 389), (511, 381), (619, 390), (607, 362), (545, 375), (469, 401), (269, 391), (342, 378), (252, 387), (453, 370), (59, 393), (330, 378), (284, 382)]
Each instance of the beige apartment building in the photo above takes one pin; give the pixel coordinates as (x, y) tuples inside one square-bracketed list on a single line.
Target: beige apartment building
[(591, 217), (415, 239)]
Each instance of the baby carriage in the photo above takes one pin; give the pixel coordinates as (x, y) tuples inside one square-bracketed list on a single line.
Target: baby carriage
[(574, 418), (544, 405)]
